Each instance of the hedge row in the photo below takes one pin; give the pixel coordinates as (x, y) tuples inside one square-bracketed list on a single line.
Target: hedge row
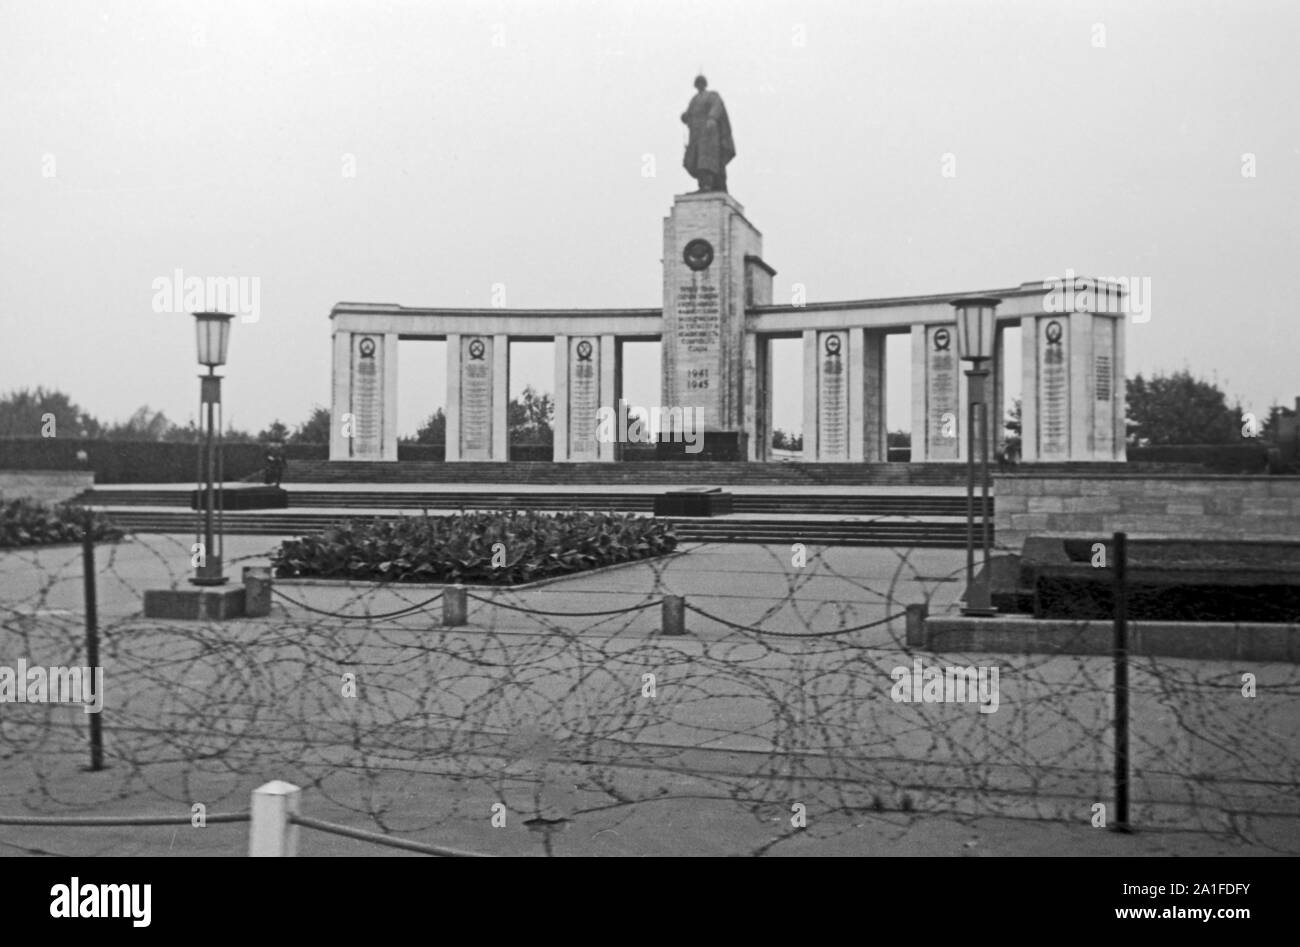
[(139, 461), (27, 523), (481, 547)]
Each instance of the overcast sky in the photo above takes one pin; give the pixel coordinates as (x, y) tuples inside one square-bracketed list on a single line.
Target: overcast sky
[(504, 143)]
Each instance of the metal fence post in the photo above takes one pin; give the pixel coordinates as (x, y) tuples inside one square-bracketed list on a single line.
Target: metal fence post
[(92, 638), (1120, 552), (257, 591), (916, 616), (271, 834), (455, 607), (674, 615)]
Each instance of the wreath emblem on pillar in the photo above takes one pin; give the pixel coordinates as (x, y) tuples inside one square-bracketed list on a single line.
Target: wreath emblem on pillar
[(1054, 333), (942, 340), (833, 345), (584, 351), (477, 349), (367, 347), (698, 254)]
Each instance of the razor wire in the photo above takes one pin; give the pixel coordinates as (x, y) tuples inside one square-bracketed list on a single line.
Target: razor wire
[(773, 699)]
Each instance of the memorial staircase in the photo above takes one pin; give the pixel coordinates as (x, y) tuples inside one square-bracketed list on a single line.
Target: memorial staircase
[(829, 504)]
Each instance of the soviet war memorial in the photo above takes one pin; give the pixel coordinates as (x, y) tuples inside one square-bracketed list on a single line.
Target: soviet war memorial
[(697, 430)]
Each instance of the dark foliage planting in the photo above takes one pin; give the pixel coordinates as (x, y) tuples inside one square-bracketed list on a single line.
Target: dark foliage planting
[(463, 547), (27, 523)]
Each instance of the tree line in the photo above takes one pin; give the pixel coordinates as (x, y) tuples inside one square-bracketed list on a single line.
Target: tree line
[(1164, 409), (40, 412)]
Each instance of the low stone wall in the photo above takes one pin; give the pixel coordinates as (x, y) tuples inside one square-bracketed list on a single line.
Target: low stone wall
[(1146, 506), (45, 486)]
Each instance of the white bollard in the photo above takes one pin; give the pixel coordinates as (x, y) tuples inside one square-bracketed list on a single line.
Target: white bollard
[(271, 834)]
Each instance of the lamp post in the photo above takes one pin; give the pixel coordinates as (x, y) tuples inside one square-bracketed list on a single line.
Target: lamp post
[(976, 326), (213, 337)]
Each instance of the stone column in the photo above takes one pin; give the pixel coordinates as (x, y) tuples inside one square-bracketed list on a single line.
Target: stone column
[(1054, 392), (388, 449), (945, 395), (856, 366), (365, 424), (341, 398), (584, 400), (875, 428), (451, 438), (1029, 389), (833, 413), (607, 451), (1120, 439), (560, 385), (500, 397), (919, 422), (478, 398), (810, 395), (751, 406)]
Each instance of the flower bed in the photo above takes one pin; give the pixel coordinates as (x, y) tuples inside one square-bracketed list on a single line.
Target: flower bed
[(27, 523), (505, 548)]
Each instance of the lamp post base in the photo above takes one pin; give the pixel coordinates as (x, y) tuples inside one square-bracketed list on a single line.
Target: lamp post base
[(978, 603)]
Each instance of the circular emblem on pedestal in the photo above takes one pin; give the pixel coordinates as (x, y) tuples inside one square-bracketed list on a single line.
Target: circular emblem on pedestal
[(698, 254), (1054, 332), (584, 351), (367, 347), (942, 340), (833, 345), (477, 349)]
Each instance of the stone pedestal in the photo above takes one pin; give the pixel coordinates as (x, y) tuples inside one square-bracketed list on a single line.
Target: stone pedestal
[(712, 266)]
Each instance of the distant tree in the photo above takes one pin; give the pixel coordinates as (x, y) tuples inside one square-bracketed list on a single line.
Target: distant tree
[(276, 431), (433, 430), (23, 414), (785, 440), (1277, 413), (144, 425), (529, 418), (1013, 426), (315, 430), (1180, 409)]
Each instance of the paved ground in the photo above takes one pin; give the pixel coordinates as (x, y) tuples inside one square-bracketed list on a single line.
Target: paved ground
[(549, 716)]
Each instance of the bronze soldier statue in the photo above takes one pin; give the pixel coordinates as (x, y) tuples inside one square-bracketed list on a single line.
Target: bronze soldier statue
[(710, 146)]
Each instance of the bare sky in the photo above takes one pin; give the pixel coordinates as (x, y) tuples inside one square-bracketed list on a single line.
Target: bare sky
[(505, 143)]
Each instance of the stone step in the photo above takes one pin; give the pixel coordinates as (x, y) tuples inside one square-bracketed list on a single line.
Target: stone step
[(949, 535)]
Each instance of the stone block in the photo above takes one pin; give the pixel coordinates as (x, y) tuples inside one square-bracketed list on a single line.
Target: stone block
[(1225, 506), (1046, 504), (1272, 507), (1100, 488), (1184, 640), (1075, 523), (1012, 504), (1092, 504), (195, 604), (1141, 505), (1259, 642), (1288, 487)]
